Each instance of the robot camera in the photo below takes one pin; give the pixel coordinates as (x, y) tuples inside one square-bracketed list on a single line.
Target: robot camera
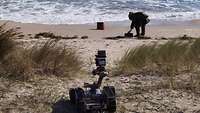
[(100, 59)]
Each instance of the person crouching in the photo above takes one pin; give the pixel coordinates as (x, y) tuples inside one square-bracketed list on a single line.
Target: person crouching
[(139, 20)]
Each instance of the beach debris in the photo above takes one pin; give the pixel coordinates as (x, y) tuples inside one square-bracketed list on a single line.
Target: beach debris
[(100, 25), (143, 37), (164, 38), (185, 37), (53, 36), (29, 34), (18, 27), (128, 35), (118, 37), (21, 36), (45, 35), (115, 37), (84, 37)]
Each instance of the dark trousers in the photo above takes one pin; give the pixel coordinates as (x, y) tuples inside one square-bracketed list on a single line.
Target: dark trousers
[(137, 28)]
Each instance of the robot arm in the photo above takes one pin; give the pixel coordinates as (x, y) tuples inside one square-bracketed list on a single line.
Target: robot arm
[(100, 64), (100, 79)]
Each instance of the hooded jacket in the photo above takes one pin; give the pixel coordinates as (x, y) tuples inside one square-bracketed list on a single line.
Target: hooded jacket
[(138, 19)]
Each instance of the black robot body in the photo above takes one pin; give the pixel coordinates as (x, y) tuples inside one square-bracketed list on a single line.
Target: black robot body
[(92, 98)]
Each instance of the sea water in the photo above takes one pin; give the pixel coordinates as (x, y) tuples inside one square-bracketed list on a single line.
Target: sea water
[(89, 11)]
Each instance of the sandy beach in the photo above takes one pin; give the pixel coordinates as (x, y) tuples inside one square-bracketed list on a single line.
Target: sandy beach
[(134, 86), (49, 55), (97, 38)]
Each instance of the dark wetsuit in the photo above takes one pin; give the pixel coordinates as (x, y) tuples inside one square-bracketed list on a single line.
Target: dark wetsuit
[(138, 19)]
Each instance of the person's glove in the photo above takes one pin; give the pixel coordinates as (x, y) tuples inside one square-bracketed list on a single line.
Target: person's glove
[(147, 20)]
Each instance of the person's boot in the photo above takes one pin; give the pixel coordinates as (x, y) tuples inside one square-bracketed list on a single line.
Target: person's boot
[(136, 35), (142, 34)]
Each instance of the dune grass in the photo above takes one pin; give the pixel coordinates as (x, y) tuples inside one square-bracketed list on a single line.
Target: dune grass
[(8, 52), (170, 59), (6, 40), (44, 59), (52, 59), (148, 56)]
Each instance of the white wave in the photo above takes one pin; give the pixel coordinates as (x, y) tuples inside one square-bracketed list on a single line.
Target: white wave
[(90, 11)]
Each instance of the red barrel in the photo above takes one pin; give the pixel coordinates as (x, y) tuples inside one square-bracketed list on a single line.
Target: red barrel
[(100, 25)]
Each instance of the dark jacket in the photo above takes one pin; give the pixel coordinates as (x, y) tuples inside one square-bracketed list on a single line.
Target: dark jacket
[(138, 19)]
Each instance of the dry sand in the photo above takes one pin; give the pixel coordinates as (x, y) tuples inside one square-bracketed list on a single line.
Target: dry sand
[(96, 38), (134, 92)]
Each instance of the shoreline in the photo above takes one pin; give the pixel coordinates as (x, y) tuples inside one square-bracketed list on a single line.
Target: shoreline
[(153, 22)]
